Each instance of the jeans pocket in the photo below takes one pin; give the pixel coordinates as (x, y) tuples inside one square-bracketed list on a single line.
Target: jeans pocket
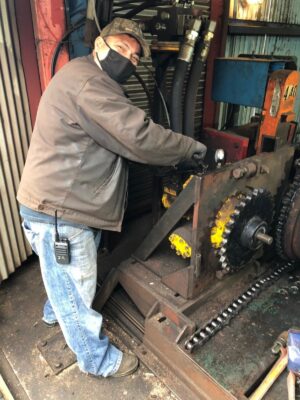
[(31, 235), (69, 232)]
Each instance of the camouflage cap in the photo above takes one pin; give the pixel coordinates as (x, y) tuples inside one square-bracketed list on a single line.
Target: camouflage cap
[(128, 27)]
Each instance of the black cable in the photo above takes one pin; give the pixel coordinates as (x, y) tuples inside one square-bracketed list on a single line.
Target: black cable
[(163, 61), (56, 231), (160, 94), (120, 3), (123, 8), (142, 7), (141, 81), (120, 7), (78, 25)]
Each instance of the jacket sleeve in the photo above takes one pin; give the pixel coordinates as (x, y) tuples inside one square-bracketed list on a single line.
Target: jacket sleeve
[(116, 124)]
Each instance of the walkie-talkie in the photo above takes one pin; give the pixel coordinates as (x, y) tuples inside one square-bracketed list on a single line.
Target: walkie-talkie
[(61, 247)]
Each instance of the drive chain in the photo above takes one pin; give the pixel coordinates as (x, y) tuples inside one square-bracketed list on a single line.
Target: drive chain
[(204, 334)]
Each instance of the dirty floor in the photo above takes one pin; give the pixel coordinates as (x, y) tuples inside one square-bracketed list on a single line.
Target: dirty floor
[(25, 370)]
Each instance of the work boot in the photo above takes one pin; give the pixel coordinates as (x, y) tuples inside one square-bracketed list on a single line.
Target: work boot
[(128, 366), (50, 324)]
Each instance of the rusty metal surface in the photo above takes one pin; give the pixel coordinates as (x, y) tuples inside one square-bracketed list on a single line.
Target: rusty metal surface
[(159, 338), (242, 351), (56, 352), (145, 288), (28, 55), (237, 355), (234, 145), (271, 172), (166, 223), (49, 28), (292, 229), (217, 186)]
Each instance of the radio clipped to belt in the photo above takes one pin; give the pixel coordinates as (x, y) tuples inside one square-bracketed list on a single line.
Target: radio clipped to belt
[(61, 247)]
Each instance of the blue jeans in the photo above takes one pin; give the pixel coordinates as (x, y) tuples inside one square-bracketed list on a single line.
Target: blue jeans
[(71, 289)]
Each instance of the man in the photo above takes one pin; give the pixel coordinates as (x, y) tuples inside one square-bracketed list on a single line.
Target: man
[(76, 167)]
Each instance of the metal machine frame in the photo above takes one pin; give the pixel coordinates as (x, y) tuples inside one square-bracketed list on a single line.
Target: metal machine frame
[(167, 290)]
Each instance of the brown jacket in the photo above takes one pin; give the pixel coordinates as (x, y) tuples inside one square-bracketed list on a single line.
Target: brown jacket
[(85, 129)]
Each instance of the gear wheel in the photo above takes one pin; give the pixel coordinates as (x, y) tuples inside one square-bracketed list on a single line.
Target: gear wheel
[(287, 232), (246, 229)]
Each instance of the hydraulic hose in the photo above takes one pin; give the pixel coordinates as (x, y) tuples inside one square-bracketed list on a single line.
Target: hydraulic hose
[(198, 63), (176, 96), (136, 10), (191, 93), (183, 61)]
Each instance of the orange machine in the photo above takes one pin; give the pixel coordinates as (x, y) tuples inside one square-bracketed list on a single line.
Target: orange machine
[(278, 126)]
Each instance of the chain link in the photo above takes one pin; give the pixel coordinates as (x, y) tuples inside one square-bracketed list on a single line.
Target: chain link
[(204, 334)]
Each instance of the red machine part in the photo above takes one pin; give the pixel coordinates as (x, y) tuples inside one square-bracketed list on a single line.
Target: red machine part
[(235, 146), (49, 27), (28, 55)]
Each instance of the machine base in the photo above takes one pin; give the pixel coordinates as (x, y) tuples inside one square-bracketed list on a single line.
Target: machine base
[(233, 362)]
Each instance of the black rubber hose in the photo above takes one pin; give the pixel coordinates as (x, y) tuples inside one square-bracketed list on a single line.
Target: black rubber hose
[(61, 43), (176, 96), (142, 7), (144, 86), (160, 74), (191, 93)]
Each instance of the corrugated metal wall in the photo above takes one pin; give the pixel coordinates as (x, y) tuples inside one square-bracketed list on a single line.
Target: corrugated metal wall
[(282, 11), (15, 129)]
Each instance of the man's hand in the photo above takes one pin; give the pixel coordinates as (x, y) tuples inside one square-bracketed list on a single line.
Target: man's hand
[(200, 152), (196, 161)]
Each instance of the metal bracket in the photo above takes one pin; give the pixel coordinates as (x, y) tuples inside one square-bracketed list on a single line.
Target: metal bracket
[(170, 218), (56, 352)]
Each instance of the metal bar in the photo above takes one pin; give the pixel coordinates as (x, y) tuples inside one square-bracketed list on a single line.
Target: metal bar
[(4, 390), (107, 287), (257, 28), (170, 218), (28, 56), (218, 13), (49, 28), (196, 255)]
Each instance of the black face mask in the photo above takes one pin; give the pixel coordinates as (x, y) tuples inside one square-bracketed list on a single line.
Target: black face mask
[(118, 67)]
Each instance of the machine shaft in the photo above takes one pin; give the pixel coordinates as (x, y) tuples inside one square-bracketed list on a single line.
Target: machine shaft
[(263, 237)]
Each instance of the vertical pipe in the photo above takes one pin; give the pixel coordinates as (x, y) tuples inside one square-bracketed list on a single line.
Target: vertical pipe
[(49, 27)]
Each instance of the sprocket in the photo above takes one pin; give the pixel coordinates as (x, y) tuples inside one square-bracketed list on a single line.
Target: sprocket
[(246, 230), (287, 232)]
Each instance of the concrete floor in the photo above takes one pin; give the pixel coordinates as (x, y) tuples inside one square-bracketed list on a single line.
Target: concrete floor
[(25, 370)]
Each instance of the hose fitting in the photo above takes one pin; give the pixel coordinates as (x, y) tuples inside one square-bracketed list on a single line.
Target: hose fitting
[(208, 37), (190, 39)]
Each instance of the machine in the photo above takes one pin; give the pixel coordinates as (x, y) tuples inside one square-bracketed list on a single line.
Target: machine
[(209, 260), (209, 288)]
